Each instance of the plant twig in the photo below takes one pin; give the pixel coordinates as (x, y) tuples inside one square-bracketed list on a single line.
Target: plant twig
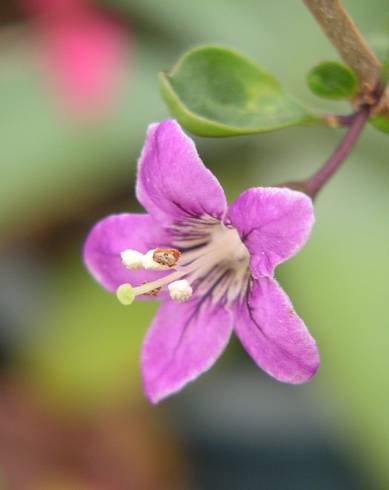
[(313, 184), (346, 38), (350, 44)]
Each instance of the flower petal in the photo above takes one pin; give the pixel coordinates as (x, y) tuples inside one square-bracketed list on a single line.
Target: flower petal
[(184, 340), (274, 224), (173, 183), (274, 336), (116, 233)]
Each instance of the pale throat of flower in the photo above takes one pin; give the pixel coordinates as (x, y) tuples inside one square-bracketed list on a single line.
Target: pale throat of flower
[(223, 251)]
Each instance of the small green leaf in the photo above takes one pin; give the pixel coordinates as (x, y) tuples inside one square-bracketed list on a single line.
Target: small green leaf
[(381, 123), (332, 80), (215, 91)]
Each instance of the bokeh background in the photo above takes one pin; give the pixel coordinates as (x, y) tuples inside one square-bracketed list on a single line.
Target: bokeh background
[(78, 87)]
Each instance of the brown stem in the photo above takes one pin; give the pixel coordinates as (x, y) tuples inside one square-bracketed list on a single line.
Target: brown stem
[(346, 38)]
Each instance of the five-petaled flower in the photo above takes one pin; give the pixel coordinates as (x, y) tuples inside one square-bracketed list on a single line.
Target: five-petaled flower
[(211, 265)]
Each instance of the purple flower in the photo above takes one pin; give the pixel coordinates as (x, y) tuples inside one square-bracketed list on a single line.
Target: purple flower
[(211, 265)]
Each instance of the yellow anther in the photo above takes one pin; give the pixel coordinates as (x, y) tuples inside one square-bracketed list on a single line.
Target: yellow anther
[(125, 294)]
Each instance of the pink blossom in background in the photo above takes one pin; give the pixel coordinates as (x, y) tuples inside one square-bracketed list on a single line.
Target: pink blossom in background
[(52, 6), (83, 50)]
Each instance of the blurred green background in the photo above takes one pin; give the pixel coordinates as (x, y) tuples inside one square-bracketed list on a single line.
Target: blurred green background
[(72, 412)]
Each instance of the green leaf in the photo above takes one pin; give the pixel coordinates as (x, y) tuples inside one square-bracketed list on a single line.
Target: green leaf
[(381, 123), (215, 91), (332, 80)]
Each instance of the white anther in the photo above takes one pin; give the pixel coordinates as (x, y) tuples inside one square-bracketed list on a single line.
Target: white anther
[(132, 259), (148, 262), (180, 290)]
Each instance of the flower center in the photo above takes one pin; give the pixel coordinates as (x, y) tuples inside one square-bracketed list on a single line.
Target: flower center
[(212, 261)]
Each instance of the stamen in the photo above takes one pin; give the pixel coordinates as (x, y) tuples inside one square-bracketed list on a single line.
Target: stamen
[(132, 259), (125, 293), (161, 259), (149, 262), (153, 292), (219, 264), (203, 263), (158, 283), (166, 256), (180, 290)]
